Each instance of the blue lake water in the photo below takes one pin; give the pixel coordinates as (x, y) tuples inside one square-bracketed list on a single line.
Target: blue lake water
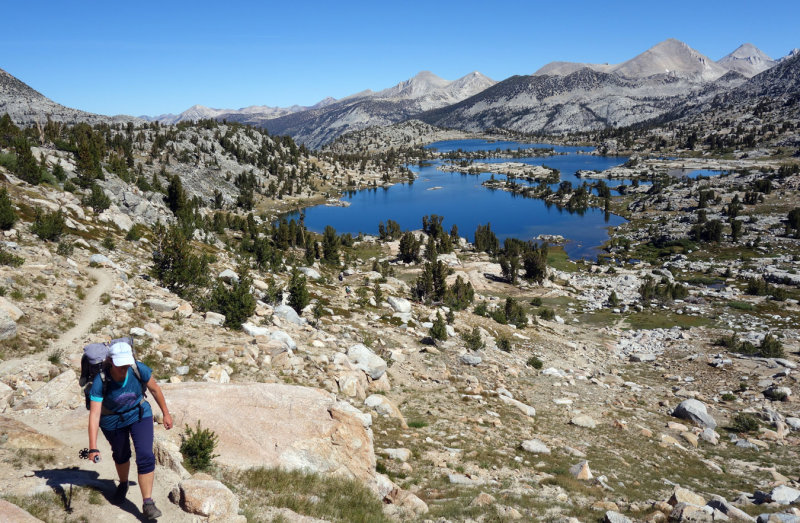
[(463, 201)]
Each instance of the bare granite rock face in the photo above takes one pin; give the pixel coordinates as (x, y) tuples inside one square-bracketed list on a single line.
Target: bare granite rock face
[(324, 436), (10, 513)]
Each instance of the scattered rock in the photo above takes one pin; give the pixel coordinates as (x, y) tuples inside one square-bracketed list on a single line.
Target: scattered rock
[(229, 276), (208, 498), (309, 273), (400, 305), (14, 312), (616, 517), (535, 446), (363, 358), (470, 359), (287, 313), (214, 318), (525, 409), (161, 305), (584, 420), (581, 471), (695, 411), (784, 495), (8, 327), (682, 495), (384, 407), (402, 455), (17, 435)]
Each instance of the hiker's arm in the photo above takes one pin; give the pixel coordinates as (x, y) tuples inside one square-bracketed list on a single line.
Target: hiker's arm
[(155, 390), (94, 425)]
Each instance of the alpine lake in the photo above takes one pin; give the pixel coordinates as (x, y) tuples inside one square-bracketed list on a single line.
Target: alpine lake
[(462, 200)]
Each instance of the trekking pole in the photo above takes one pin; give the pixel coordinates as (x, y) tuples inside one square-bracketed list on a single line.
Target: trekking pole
[(84, 454)]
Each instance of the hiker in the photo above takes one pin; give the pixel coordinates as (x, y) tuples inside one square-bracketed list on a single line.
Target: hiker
[(123, 414)]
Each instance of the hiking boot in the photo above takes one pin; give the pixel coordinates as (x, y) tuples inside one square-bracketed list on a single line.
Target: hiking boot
[(150, 511), (120, 494)]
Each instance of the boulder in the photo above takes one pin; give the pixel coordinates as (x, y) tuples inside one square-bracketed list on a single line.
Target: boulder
[(58, 392), (14, 312), (694, 410), (216, 374), (470, 359), (309, 273), (253, 330), (401, 454), (17, 435), (363, 358), (283, 338), (616, 517), (214, 318), (581, 471), (207, 498), (400, 305), (384, 407), (324, 436), (8, 327), (10, 513), (784, 495), (168, 454), (535, 446), (682, 495), (721, 504), (229, 276), (525, 409), (583, 420), (161, 305), (101, 260), (287, 313)]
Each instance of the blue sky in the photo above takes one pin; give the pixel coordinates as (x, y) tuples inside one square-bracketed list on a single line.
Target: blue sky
[(156, 57)]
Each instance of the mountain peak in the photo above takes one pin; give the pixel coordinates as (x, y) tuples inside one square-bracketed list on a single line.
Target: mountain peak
[(671, 57), (748, 60)]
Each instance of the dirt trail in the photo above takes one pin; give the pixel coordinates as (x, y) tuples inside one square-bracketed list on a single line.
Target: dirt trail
[(92, 311)]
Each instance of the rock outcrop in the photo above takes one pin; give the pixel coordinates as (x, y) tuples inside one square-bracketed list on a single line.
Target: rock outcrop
[(324, 436)]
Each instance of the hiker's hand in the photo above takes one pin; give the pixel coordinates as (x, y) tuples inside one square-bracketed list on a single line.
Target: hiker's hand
[(167, 421), (94, 457)]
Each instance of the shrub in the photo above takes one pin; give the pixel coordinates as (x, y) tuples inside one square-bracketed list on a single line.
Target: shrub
[(480, 309), (744, 423), (438, 330), (97, 199), (534, 362), (9, 259), (728, 397), (197, 447), (473, 340), (536, 302), (108, 243), (235, 302), (175, 264), (65, 248), (48, 226), (515, 314), (8, 217), (135, 233), (770, 347), (546, 313), (504, 343), (775, 395)]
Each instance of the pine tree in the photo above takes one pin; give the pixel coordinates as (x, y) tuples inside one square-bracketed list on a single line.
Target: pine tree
[(176, 196), (298, 293), (8, 217), (330, 245)]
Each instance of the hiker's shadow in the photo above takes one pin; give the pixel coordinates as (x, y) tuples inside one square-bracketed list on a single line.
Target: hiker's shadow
[(63, 480)]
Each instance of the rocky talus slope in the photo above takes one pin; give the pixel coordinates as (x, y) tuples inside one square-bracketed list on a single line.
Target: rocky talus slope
[(614, 409)]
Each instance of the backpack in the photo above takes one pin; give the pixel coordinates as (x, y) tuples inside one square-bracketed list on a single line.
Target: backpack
[(93, 363)]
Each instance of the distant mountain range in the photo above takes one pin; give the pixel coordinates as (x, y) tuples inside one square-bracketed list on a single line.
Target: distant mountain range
[(560, 97)]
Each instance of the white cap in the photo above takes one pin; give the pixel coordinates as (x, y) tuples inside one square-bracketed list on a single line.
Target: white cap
[(121, 354)]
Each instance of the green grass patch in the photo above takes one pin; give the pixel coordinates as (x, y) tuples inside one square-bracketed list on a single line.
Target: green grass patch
[(557, 258), (327, 497), (741, 305)]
